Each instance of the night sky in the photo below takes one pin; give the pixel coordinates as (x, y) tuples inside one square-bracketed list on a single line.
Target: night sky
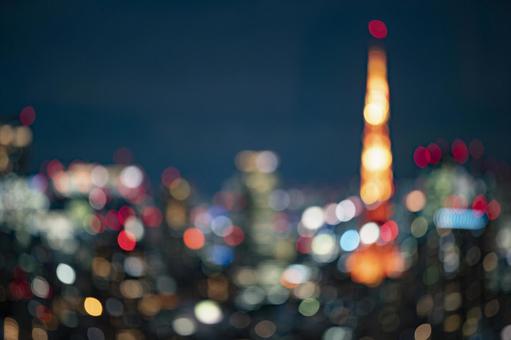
[(191, 83)]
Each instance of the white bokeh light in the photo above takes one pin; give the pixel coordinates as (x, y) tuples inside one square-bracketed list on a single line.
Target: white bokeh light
[(345, 210), (266, 161), (324, 247), (313, 218), (184, 326), (135, 227), (208, 312), (369, 233), (131, 177), (66, 273)]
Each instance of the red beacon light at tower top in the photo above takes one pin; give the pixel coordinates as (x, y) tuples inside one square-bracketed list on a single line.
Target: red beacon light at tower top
[(377, 29)]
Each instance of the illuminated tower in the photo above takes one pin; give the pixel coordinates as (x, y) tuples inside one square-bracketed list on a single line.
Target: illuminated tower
[(378, 257)]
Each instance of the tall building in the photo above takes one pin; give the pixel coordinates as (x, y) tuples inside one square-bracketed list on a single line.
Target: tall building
[(378, 257)]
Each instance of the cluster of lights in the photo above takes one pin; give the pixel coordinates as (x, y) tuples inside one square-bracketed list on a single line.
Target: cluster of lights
[(324, 245), (458, 205), (15, 138), (214, 234), (315, 217), (315, 236), (370, 265), (96, 181), (108, 203), (324, 233), (257, 161), (433, 153)]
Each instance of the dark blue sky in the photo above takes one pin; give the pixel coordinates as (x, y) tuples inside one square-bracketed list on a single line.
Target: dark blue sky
[(190, 83)]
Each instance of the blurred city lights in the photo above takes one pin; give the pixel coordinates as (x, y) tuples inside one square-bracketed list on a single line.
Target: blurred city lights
[(313, 218), (260, 259), (66, 273), (369, 233), (193, 238), (324, 247), (184, 326), (350, 240), (208, 312), (126, 240), (92, 306), (415, 201), (460, 219), (345, 210)]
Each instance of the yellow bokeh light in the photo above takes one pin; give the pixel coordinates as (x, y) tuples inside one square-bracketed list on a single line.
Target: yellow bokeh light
[(370, 265), (92, 306), (376, 112), (180, 189), (376, 158), (6, 134), (11, 329), (369, 192)]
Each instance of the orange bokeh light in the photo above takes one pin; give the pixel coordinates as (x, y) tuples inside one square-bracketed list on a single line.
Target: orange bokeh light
[(372, 264), (193, 238)]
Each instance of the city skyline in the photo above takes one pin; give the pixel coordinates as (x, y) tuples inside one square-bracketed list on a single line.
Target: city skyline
[(138, 79)]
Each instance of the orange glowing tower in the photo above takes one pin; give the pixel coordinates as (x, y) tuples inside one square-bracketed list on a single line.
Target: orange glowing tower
[(378, 257)]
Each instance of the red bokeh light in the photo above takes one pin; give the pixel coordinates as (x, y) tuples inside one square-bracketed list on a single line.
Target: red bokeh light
[(235, 237), (378, 29), (459, 151), (111, 220), (151, 216), (53, 167), (194, 239), (303, 244), (422, 157), (456, 202), (435, 153), (19, 287), (124, 213), (43, 313), (389, 231), (480, 204), (20, 290), (126, 240), (27, 115), (493, 210)]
